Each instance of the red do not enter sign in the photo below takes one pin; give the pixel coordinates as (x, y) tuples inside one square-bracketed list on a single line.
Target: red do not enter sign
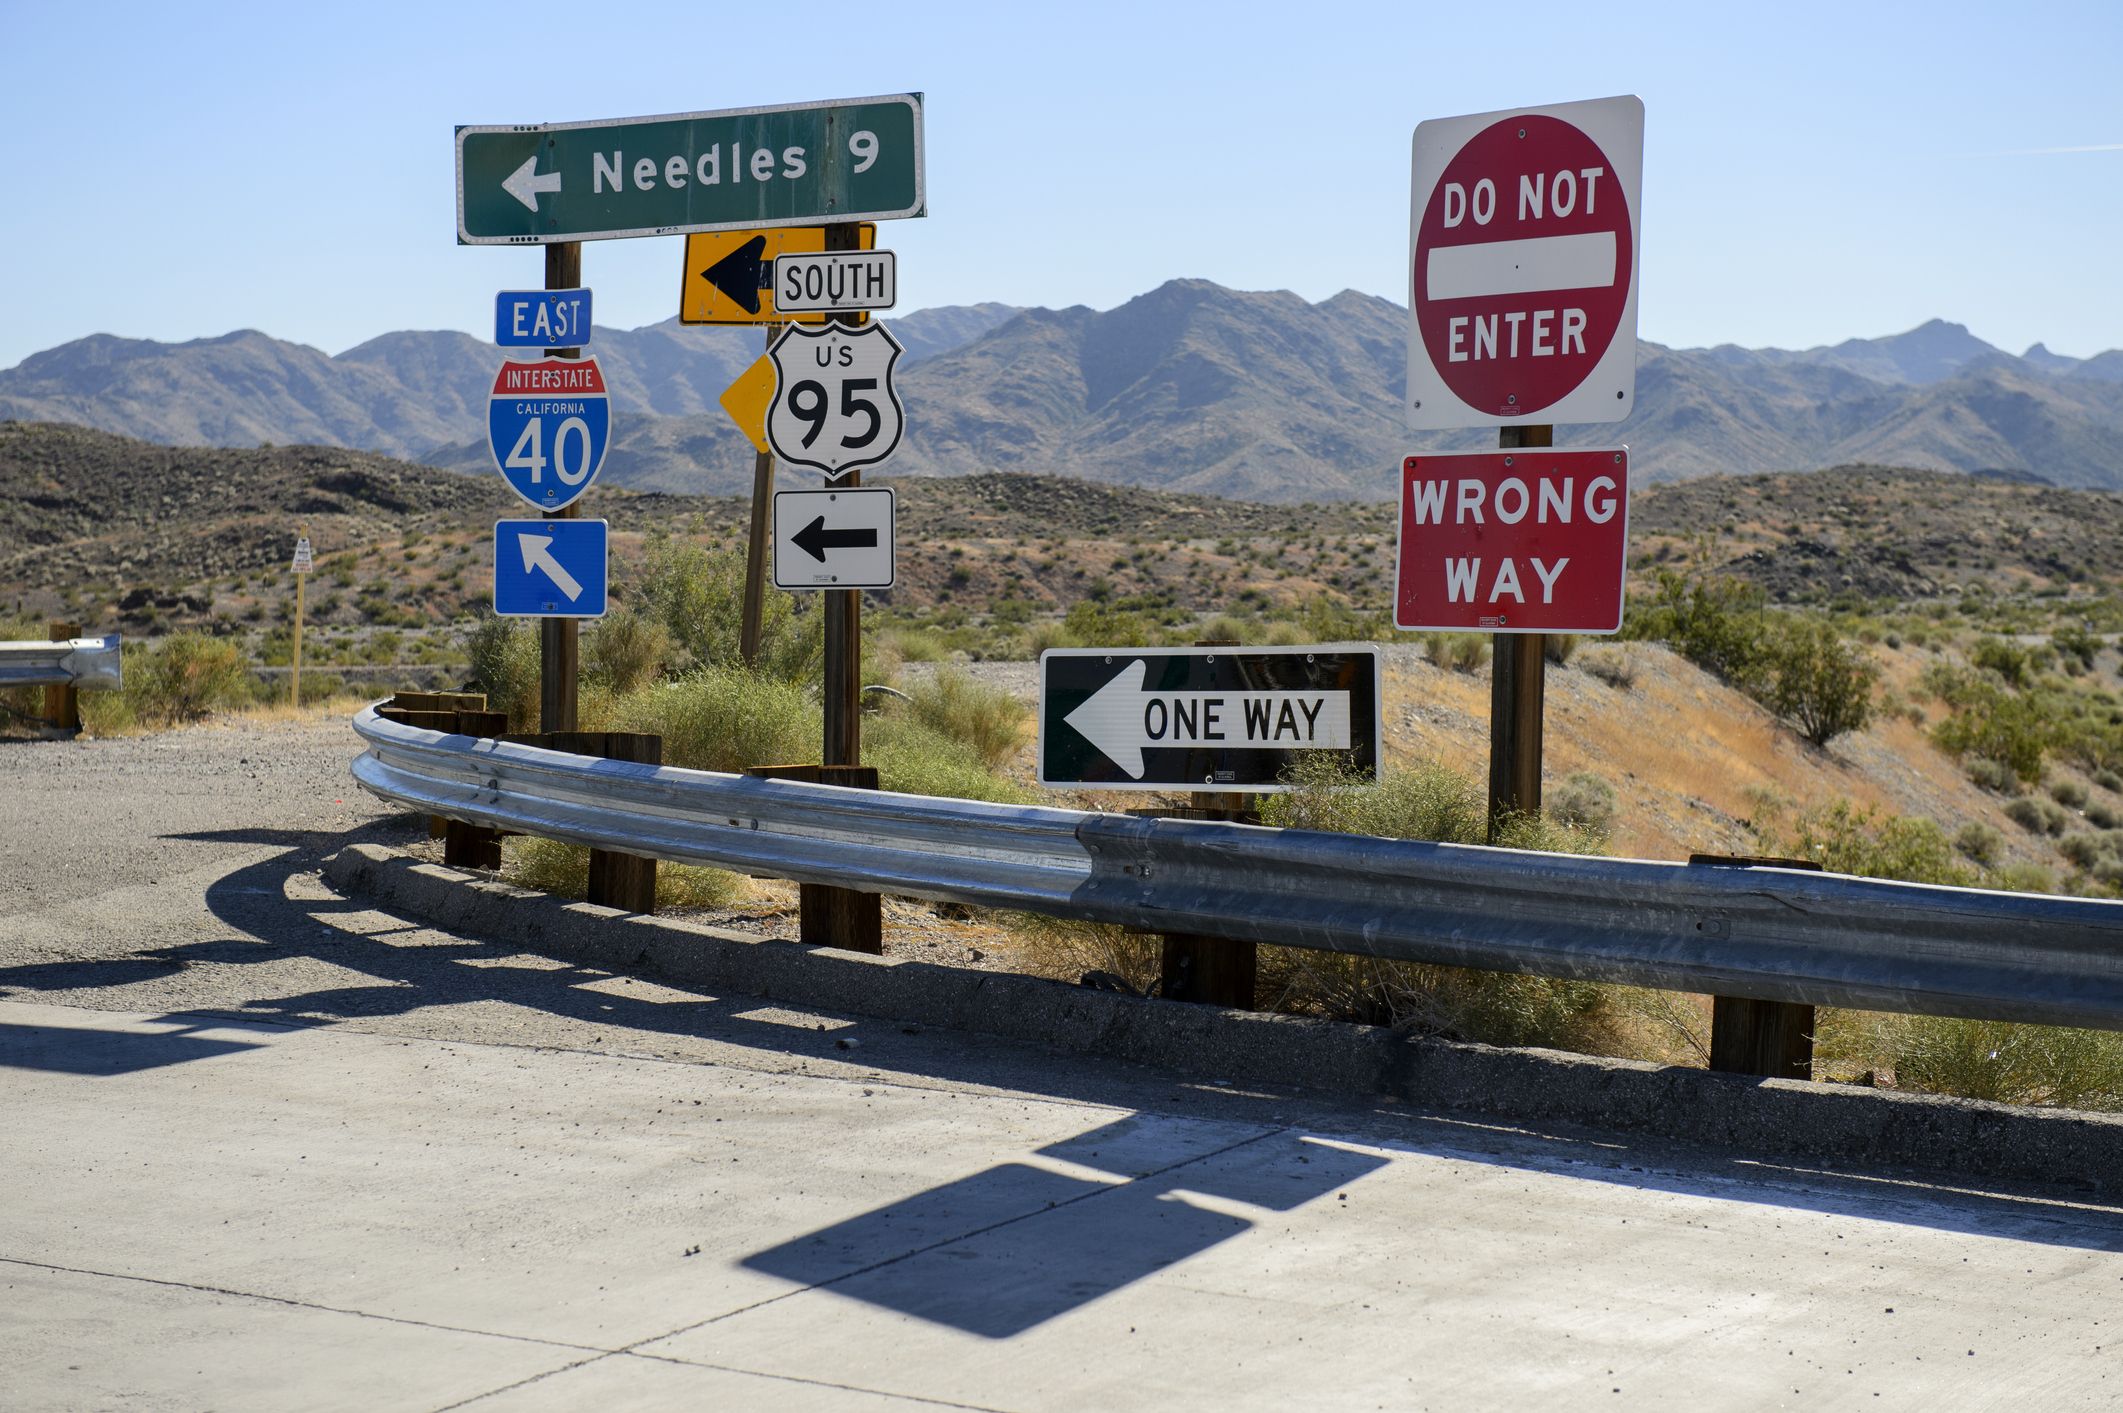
[(1524, 265), (1527, 541)]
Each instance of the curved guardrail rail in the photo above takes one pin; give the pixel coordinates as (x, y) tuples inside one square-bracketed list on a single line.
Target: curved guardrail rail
[(1767, 933), (74, 662)]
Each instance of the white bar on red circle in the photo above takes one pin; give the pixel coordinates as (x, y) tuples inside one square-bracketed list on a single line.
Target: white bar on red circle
[(1521, 266), (1531, 540)]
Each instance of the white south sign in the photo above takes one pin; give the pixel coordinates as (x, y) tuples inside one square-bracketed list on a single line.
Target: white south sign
[(1524, 247), (834, 407)]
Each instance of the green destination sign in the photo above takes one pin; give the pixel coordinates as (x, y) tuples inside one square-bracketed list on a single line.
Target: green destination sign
[(856, 159)]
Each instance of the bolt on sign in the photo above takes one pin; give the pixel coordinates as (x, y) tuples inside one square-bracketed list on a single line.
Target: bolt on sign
[(1524, 242), (1204, 718), (793, 164), (1526, 541)]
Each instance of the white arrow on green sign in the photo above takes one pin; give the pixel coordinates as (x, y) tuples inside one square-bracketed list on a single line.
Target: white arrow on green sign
[(857, 159)]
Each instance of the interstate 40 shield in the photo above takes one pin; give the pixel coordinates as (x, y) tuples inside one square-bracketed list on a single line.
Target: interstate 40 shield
[(549, 424)]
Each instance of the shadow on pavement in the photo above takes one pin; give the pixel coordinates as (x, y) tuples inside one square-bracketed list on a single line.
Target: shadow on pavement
[(1064, 1220)]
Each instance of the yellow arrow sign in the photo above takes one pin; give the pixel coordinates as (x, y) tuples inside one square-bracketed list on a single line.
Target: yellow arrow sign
[(728, 274), (747, 400)]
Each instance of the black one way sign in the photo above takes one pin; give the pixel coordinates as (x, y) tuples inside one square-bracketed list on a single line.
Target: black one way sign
[(1203, 718)]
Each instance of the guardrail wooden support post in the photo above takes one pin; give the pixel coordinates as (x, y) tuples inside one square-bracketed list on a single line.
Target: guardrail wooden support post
[(828, 916), (62, 703), (1773, 1039), (1211, 971)]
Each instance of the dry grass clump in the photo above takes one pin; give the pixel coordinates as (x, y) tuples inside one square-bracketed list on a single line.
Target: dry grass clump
[(564, 869), (989, 720)]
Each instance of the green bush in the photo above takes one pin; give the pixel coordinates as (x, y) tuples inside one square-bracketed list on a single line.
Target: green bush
[(988, 720), (1993, 775), (504, 660), (2077, 643), (697, 594), (1429, 802), (1719, 624), (1996, 724), (917, 759), (186, 677), (1844, 839), (1584, 800), (2069, 793), (1995, 1060), (625, 650), (2013, 664), (1816, 681), (1979, 843), (725, 719)]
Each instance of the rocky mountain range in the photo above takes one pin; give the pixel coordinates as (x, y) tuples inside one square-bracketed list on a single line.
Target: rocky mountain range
[(1190, 387)]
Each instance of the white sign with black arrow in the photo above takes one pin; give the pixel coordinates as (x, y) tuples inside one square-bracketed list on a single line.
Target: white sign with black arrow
[(834, 539), (1205, 719)]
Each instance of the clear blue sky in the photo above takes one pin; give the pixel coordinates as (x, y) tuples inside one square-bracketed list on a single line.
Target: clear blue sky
[(1812, 171)]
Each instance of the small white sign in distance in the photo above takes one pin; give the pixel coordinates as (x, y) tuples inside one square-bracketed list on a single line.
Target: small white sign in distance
[(835, 539), (304, 562), (836, 282)]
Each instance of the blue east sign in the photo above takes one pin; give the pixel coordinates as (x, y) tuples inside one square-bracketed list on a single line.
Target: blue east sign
[(542, 318), (549, 568)]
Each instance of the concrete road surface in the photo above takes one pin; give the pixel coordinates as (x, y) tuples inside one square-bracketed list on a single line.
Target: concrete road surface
[(264, 1147)]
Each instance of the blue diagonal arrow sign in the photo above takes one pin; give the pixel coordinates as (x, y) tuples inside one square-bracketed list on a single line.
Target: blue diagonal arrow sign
[(549, 568)]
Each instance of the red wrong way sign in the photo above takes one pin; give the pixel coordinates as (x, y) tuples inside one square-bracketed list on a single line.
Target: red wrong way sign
[(1523, 279), (1529, 541)]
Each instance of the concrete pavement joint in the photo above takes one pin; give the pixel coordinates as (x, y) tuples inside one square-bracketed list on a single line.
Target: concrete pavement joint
[(198, 1289), (1734, 1115)]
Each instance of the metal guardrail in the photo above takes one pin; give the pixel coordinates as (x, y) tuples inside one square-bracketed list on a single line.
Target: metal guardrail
[(74, 662), (1766, 933)]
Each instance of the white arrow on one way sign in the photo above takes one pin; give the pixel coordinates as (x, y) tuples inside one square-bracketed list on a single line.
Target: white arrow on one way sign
[(1123, 720), (538, 557), (524, 183)]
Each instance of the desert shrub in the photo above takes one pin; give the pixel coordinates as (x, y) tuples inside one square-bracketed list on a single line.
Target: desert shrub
[(1998, 725), (2037, 816), (184, 678), (2102, 816), (1845, 839), (1993, 775), (504, 660), (2023, 878), (1459, 652), (917, 645), (2109, 781), (1616, 666), (564, 869), (2013, 664), (697, 594), (1093, 624), (1073, 948), (725, 719), (1816, 681), (2075, 643), (1717, 623), (1559, 648), (1428, 802), (1995, 1060), (1584, 800), (2069, 793), (1979, 843), (2084, 851), (625, 650), (917, 759), (988, 720)]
